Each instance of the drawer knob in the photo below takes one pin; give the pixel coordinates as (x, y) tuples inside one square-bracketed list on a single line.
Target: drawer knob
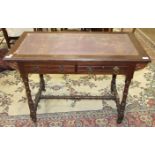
[(90, 70), (116, 70)]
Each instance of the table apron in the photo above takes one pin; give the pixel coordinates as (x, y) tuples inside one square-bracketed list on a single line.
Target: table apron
[(75, 69)]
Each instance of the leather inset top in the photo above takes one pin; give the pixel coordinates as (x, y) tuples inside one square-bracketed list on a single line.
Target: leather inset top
[(76, 44)]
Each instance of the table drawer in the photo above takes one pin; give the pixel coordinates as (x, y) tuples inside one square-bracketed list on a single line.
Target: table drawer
[(58, 69), (101, 69), (72, 69)]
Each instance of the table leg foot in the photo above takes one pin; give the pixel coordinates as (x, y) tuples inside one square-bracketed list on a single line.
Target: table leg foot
[(120, 111), (120, 119), (33, 117)]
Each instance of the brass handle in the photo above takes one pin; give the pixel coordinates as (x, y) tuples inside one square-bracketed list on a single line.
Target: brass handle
[(90, 70), (116, 70), (35, 68)]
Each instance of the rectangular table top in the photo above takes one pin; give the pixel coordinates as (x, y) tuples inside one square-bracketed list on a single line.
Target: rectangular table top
[(78, 45)]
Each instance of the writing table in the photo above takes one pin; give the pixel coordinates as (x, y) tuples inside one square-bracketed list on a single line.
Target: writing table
[(77, 53)]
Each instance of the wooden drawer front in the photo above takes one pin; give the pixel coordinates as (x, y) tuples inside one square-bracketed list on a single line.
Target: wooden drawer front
[(72, 69), (58, 69), (102, 69)]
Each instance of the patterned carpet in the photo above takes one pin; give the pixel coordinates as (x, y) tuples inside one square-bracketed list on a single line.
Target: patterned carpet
[(140, 110)]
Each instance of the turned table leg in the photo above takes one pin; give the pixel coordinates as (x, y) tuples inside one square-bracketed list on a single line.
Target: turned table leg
[(29, 97), (113, 83), (42, 81), (121, 108), (114, 91)]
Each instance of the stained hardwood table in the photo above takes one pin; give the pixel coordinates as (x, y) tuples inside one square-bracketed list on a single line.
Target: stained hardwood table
[(78, 53)]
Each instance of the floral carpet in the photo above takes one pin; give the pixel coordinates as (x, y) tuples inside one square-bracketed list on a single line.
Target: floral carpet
[(140, 109)]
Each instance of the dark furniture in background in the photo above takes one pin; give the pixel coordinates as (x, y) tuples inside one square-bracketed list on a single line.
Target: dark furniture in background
[(78, 53), (9, 39), (91, 29), (2, 38), (3, 65), (99, 29)]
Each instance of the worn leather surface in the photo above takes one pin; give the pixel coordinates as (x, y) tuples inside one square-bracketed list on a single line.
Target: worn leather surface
[(76, 44)]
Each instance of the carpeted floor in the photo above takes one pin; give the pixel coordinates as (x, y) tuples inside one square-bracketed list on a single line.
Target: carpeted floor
[(140, 110)]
